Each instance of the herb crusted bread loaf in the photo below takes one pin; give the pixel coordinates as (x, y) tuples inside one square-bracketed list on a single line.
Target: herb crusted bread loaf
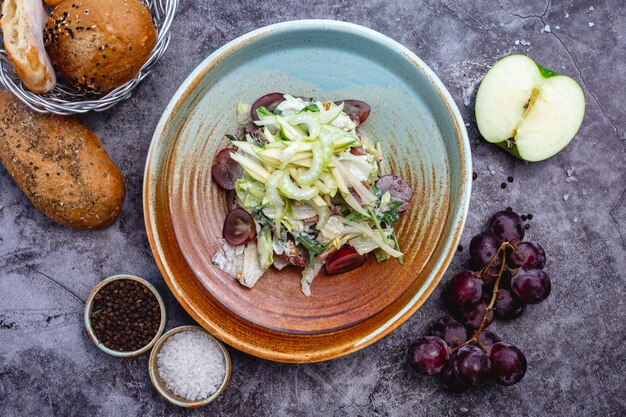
[(60, 165)]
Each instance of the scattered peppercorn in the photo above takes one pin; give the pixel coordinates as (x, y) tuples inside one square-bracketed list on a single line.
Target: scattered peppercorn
[(509, 179), (529, 216), (474, 175), (125, 315), (503, 185), (527, 226), (523, 216), (509, 209), (460, 248)]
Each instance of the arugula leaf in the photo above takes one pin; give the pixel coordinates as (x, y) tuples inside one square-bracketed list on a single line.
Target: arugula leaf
[(352, 216), (312, 245), (391, 215), (311, 107), (232, 137), (260, 217)]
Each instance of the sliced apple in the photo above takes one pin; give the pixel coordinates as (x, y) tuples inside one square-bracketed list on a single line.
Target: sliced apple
[(530, 111)]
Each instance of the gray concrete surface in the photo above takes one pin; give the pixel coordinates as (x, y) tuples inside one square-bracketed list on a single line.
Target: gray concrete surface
[(575, 341)]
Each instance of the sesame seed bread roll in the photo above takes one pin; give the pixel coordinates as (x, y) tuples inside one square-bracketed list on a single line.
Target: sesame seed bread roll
[(22, 28), (60, 165), (53, 3), (98, 45)]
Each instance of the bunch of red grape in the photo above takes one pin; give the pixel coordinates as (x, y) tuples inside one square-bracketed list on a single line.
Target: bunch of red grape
[(508, 275)]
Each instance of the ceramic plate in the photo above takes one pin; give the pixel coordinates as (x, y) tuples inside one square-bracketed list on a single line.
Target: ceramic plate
[(424, 140)]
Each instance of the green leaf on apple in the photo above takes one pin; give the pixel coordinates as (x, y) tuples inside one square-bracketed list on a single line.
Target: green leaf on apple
[(527, 109)]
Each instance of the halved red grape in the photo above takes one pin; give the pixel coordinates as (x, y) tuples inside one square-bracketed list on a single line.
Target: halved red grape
[(358, 151), (527, 255), (508, 363), (428, 355), (357, 110), (269, 101), (344, 259), (239, 227), (399, 189), (225, 170), (531, 286)]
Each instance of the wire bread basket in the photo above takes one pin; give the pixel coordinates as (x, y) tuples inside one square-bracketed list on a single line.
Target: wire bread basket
[(65, 100)]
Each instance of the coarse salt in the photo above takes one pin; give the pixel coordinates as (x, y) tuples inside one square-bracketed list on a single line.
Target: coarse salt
[(591, 24), (192, 365)]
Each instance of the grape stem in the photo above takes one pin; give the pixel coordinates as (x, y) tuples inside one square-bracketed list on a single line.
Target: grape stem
[(494, 296)]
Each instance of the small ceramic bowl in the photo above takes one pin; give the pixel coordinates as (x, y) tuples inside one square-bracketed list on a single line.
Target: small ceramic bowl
[(159, 384), (89, 305)]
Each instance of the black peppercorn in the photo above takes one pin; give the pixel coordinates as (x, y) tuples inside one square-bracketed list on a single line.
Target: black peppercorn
[(121, 313)]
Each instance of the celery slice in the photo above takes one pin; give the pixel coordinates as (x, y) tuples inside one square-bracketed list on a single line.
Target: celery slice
[(290, 131), (288, 188), (313, 173)]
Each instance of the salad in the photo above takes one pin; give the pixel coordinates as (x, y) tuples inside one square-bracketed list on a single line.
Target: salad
[(310, 190)]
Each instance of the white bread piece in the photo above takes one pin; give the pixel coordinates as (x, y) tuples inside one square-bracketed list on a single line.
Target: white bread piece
[(22, 24)]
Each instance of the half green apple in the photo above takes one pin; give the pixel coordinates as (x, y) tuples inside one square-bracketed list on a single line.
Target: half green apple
[(528, 110)]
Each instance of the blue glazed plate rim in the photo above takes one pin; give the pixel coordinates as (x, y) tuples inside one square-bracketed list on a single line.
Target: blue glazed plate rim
[(458, 212)]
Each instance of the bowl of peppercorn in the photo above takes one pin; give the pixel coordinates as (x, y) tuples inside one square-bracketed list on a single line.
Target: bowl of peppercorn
[(124, 315)]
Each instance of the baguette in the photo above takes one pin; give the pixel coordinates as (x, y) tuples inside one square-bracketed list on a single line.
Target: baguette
[(60, 165), (22, 25)]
